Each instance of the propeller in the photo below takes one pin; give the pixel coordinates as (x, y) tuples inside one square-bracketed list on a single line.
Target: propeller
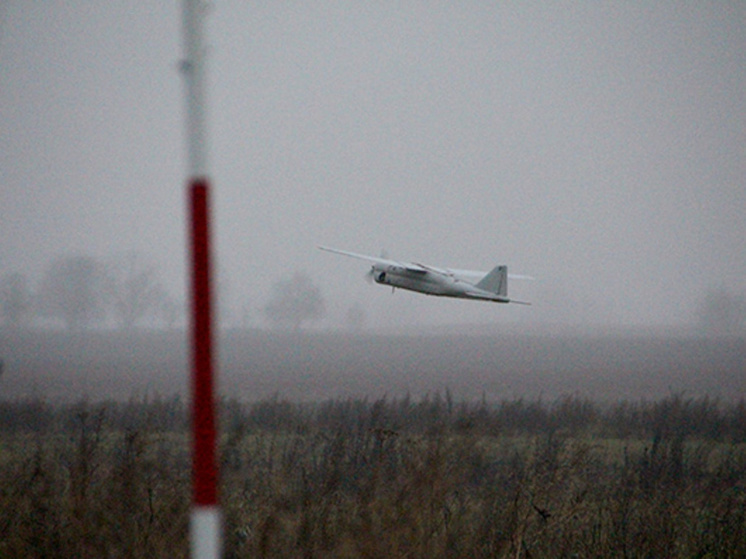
[(369, 274)]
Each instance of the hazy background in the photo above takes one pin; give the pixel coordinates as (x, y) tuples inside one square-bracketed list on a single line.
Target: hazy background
[(598, 146)]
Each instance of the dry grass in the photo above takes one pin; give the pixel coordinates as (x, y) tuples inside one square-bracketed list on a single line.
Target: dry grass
[(390, 478)]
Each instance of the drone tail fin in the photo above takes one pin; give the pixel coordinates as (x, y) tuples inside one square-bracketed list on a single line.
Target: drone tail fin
[(495, 281)]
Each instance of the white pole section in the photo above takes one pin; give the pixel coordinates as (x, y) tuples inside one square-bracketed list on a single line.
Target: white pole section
[(193, 68), (205, 522)]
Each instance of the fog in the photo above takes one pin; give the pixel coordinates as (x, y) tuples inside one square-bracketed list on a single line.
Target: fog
[(316, 366), (599, 147)]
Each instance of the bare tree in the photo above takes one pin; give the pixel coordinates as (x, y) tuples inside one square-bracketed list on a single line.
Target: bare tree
[(722, 312), (171, 312), (133, 289), (15, 299), (356, 317), (294, 301), (72, 290)]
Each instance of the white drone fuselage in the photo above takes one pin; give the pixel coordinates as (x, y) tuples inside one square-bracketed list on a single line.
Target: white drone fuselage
[(442, 282)]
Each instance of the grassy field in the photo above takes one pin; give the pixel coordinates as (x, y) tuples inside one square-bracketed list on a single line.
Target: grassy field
[(371, 445), (254, 365), (391, 477)]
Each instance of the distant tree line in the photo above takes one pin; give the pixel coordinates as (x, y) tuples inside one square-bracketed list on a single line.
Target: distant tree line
[(80, 292), (294, 301)]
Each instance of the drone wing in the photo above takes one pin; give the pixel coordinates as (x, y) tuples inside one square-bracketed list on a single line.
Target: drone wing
[(376, 260), (472, 276)]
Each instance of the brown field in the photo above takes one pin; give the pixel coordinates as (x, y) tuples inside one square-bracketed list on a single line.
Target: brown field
[(315, 366)]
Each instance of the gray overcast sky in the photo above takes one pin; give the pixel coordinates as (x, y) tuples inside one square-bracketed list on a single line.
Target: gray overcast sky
[(599, 146)]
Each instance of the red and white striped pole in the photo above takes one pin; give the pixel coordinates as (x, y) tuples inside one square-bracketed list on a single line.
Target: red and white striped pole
[(205, 522)]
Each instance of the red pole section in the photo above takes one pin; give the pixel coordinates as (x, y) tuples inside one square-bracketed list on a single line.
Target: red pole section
[(204, 467)]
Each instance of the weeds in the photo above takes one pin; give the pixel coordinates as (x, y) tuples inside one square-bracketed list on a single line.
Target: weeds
[(388, 478)]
